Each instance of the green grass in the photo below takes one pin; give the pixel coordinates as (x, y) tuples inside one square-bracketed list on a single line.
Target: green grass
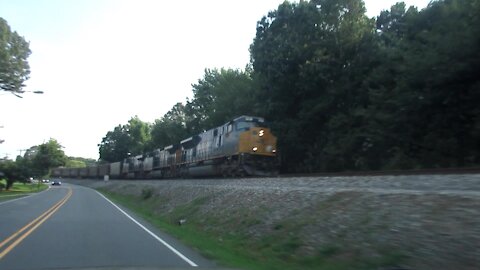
[(226, 241), (20, 190)]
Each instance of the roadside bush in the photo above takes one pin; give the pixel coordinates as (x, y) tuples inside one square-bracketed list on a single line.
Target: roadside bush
[(147, 193)]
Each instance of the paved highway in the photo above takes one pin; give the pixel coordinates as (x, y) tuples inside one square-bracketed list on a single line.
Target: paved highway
[(75, 227)]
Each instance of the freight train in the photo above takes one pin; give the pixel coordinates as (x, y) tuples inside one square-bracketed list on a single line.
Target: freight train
[(241, 147)]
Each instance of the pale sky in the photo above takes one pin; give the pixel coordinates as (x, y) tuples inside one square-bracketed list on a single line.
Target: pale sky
[(101, 62)]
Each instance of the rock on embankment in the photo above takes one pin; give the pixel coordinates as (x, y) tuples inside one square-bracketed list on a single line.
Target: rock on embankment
[(417, 222)]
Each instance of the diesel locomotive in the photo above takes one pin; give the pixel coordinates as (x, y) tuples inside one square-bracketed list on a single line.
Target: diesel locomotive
[(243, 146)]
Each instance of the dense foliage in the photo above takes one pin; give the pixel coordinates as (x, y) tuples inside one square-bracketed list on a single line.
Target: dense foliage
[(14, 51), (311, 59), (11, 171), (79, 162), (346, 92), (217, 98), (125, 140), (37, 162)]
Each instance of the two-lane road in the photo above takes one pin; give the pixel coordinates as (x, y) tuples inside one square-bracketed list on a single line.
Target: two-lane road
[(72, 227)]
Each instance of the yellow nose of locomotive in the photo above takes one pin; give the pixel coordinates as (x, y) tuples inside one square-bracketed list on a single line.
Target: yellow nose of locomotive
[(258, 141)]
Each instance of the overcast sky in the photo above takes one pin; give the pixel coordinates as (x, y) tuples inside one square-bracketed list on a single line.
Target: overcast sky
[(101, 62)]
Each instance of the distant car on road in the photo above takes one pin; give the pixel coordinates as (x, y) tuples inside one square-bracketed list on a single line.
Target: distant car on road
[(56, 183), (32, 180), (45, 181)]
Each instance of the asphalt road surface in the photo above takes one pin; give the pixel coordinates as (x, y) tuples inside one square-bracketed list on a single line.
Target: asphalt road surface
[(74, 227)]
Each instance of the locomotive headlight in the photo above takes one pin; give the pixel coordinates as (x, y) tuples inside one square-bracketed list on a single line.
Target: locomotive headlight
[(255, 149), (261, 133)]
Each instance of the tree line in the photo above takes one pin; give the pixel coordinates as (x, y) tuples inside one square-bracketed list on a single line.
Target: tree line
[(343, 91), (37, 162)]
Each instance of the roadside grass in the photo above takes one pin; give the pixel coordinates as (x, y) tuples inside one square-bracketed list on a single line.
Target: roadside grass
[(227, 241), (20, 190)]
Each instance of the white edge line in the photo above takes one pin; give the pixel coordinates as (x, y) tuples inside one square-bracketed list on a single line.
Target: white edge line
[(151, 233), (24, 197)]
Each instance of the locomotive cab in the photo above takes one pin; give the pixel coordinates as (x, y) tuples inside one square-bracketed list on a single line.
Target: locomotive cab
[(255, 138)]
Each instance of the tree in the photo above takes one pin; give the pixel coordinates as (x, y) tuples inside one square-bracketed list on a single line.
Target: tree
[(11, 171), (139, 132), (14, 51), (125, 140), (310, 60), (74, 163), (48, 155), (218, 97), (25, 163), (425, 91), (37, 161), (115, 146), (79, 162), (171, 128)]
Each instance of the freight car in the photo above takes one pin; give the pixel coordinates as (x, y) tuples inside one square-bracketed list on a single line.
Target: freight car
[(241, 147)]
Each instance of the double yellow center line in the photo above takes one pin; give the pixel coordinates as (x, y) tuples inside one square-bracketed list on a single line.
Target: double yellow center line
[(21, 234)]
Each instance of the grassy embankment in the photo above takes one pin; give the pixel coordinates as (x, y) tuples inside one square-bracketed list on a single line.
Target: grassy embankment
[(227, 240), (20, 190)]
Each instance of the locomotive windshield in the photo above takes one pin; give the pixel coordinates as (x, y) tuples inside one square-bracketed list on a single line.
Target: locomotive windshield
[(247, 122), (245, 125)]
